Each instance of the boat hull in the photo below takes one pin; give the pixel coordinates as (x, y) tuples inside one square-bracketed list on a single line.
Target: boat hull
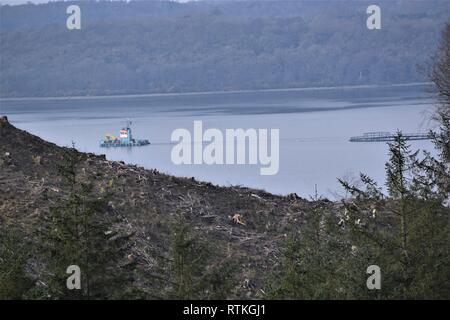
[(118, 144)]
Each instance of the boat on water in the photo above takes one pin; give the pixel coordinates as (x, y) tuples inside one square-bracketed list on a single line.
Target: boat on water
[(125, 139)]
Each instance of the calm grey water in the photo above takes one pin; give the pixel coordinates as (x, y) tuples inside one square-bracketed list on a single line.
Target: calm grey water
[(315, 126)]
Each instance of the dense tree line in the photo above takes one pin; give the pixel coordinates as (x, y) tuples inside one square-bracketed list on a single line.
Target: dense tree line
[(170, 47)]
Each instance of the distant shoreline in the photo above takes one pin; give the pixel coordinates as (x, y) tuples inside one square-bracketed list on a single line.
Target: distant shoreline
[(212, 92)]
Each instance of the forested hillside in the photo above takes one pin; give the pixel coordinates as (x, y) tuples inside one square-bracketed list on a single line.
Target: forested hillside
[(153, 46)]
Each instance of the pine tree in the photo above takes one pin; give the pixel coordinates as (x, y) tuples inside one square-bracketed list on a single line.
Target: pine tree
[(405, 233), (311, 263), (192, 272), (186, 260), (14, 253), (79, 232)]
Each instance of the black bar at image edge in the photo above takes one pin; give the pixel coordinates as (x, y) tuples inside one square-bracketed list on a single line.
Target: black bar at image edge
[(239, 309)]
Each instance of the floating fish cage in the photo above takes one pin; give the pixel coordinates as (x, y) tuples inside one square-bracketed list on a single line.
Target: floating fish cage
[(387, 136)]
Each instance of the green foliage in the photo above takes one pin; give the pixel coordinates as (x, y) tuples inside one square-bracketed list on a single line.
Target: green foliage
[(79, 232), (312, 265), (399, 165), (218, 281), (14, 253), (187, 260), (191, 273), (406, 233)]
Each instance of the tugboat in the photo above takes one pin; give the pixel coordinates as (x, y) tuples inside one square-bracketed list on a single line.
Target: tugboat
[(125, 139)]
